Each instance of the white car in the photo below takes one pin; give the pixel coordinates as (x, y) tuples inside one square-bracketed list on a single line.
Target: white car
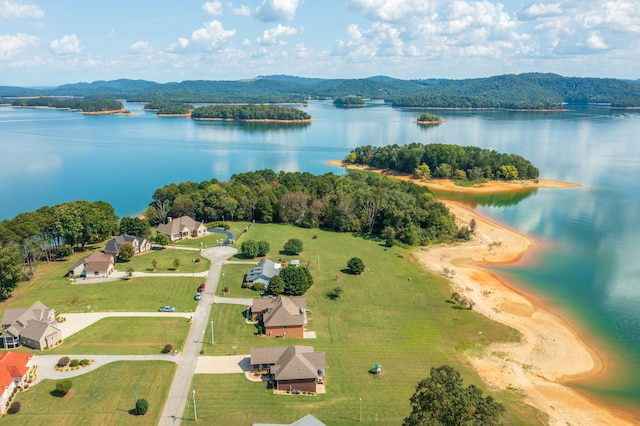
[(167, 309)]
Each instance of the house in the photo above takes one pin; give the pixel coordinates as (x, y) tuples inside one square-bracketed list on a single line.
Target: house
[(14, 368), (182, 227), (263, 272), (308, 420), (140, 245), (35, 327), (96, 265), (282, 315), (291, 367)]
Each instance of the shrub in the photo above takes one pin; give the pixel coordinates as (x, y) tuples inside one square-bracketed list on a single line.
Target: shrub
[(74, 363), (63, 362), (293, 246), (14, 408), (258, 287), (63, 386), (355, 265), (142, 406), (167, 348), (84, 362)]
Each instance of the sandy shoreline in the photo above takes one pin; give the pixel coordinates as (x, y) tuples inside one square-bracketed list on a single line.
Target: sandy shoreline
[(550, 352)]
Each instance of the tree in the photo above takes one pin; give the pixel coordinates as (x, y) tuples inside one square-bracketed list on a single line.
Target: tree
[(63, 387), (142, 406), (441, 399), (64, 252), (154, 263), (389, 236), (293, 246), (422, 172), (249, 249), (176, 263), (276, 285), (135, 226), (10, 269), (509, 172), (297, 280), (355, 265), (263, 248), (162, 239), (126, 251)]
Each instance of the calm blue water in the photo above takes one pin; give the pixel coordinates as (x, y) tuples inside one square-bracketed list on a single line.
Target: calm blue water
[(589, 273)]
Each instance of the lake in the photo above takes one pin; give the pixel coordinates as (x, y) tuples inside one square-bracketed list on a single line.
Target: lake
[(588, 272)]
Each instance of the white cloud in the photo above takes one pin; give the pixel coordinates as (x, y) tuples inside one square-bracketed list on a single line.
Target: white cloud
[(277, 10), (212, 8), (13, 45), (272, 36), (241, 10), (10, 9), (66, 45), (393, 10), (212, 36), (140, 47), (540, 10)]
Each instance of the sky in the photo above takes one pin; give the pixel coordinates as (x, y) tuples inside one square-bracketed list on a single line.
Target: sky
[(48, 43)]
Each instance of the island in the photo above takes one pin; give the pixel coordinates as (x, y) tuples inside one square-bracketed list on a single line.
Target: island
[(429, 119), (251, 112), (349, 102), (169, 109), (83, 106)]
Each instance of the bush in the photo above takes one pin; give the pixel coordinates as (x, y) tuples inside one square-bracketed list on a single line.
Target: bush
[(84, 362), (142, 406), (63, 386), (258, 287), (355, 265), (293, 246), (167, 348), (74, 363), (14, 408), (63, 362)]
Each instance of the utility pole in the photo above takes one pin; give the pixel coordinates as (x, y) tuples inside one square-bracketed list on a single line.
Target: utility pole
[(135, 396), (211, 332), (193, 398), (318, 261), (360, 409)]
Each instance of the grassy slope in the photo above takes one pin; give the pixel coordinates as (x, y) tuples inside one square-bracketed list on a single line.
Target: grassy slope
[(382, 317)]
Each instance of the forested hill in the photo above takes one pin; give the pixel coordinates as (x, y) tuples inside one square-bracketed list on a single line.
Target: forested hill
[(531, 90)]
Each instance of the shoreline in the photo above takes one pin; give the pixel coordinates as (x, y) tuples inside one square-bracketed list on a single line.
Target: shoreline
[(551, 353)]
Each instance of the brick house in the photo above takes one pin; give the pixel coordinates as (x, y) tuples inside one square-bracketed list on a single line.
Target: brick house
[(291, 367), (282, 315)]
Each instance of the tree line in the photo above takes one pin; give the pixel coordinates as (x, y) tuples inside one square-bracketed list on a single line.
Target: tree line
[(446, 161), (348, 101), (85, 105), (250, 112), (169, 108)]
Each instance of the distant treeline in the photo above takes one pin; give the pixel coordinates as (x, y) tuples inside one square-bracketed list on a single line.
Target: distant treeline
[(356, 202), (445, 161), (427, 100), (84, 105), (250, 112), (347, 101), (169, 108)]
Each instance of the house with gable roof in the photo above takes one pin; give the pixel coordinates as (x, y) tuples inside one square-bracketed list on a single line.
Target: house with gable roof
[(14, 369), (282, 315), (308, 420), (35, 327), (291, 367), (182, 227), (263, 272), (96, 265), (140, 245)]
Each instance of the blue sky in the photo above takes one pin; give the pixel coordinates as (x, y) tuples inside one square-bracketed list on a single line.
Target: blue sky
[(66, 41)]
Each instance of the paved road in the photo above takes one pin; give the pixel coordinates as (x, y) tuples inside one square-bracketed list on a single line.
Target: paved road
[(181, 387)]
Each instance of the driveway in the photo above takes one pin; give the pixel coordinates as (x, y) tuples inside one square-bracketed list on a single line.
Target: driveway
[(223, 364)]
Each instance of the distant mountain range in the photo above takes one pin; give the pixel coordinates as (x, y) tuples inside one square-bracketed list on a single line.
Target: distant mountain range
[(521, 89)]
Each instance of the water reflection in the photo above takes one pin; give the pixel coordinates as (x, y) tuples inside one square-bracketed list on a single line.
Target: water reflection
[(488, 200)]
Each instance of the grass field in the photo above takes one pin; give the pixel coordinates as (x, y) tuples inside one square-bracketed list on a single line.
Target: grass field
[(102, 397), (394, 314), (165, 258)]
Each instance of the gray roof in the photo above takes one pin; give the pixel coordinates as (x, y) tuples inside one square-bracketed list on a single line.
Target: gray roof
[(307, 420), (31, 322), (114, 244), (290, 362), (263, 272)]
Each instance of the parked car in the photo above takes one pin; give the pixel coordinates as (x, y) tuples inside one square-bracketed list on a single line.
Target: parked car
[(167, 309), (201, 288), (198, 296)]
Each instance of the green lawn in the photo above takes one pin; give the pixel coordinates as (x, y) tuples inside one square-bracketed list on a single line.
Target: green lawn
[(124, 336), (382, 317), (102, 397), (165, 258), (233, 276)]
